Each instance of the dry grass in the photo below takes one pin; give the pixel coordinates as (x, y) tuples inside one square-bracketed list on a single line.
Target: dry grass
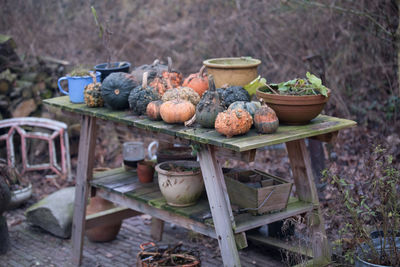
[(355, 57)]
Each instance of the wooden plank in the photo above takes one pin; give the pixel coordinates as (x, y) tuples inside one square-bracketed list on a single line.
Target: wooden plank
[(99, 175), (157, 213), (219, 204), (305, 188), (252, 140), (246, 221), (157, 229), (275, 242), (109, 216), (246, 156), (241, 240), (87, 144)]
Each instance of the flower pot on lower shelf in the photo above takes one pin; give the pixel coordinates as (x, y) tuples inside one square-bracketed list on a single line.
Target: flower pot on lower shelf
[(181, 182), (145, 171), (106, 232)]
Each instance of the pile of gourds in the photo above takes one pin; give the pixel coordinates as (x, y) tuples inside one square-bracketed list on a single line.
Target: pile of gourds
[(161, 93)]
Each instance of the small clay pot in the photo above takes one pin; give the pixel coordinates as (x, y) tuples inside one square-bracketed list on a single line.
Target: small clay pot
[(106, 232), (145, 171)]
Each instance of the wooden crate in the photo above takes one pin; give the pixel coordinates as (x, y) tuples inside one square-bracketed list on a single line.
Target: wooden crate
[(271, 195)]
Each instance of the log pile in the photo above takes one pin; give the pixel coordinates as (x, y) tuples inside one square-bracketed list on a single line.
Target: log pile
[(25, 82)]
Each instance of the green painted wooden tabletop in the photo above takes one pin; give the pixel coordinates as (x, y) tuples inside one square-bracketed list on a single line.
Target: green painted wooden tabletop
[(320, 125)]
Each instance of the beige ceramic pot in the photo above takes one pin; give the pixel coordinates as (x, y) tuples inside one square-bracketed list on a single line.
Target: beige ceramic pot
[(234, 71), (295, 110), (181, 182)]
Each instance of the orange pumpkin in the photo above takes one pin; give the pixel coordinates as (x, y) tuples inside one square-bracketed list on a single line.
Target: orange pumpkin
[(167, 80), (153, 110), (197, 81), (233, 122), (177, 111)]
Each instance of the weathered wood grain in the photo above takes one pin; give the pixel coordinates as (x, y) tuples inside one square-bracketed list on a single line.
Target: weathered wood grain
[(87, 144), (220, 206), (305, 188), (252, 140), (109, 216)]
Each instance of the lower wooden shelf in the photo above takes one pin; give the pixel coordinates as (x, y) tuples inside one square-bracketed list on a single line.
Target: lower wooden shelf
[(124, 188)]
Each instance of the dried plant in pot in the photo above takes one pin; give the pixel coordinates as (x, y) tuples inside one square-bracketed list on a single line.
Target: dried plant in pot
[(19, 186), (105, 34), (368, 204), (296, 101)]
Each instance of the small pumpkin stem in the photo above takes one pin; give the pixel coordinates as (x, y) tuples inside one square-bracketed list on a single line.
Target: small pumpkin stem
[(211, 83), (144, 82), (169, 64), (191, 121), (201, 72)]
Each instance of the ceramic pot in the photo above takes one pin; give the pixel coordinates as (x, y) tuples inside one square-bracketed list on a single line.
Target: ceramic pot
[(18, 197), (145, 171), (106, 232), (182, 187), (294, 110), (115, 67), (360, 262), (235, 71)]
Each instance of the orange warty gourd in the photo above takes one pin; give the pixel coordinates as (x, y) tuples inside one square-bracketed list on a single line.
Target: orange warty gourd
[(177, 111), (167, 80), (233, 122), (197, 81)]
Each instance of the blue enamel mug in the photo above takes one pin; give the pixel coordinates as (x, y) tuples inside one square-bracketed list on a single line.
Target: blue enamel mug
[(76, 85)]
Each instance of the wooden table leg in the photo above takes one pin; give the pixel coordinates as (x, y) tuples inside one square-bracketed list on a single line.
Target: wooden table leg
[(87, 142), (219, 204), (305, 188)]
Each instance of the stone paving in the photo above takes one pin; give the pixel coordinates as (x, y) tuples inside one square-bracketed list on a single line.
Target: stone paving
[(31, 246)]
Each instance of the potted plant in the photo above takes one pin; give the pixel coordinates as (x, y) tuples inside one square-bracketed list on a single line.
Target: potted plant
[(181, 182), (77, 79), (369, 212), (105, 35), (20, 188), (296, 101)]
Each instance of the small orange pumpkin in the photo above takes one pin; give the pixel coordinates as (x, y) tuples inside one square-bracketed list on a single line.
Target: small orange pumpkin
[(177, 111), (153, 110), (167, 80), (265, 120), (233, 122), (197, 81)]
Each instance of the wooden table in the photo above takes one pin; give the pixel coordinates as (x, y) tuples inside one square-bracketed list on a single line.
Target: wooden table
[(123, 187)]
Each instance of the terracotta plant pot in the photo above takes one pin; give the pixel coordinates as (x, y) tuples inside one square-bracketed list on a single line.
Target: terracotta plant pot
[(235, 71), (295, 110), (145, 171), (180, 188), (102, 233)]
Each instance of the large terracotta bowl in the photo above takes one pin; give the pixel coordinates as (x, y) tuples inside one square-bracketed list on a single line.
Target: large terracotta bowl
[(234, 71), (295, 110)]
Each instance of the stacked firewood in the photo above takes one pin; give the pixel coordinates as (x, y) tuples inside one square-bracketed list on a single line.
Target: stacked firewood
[(24, 82)]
